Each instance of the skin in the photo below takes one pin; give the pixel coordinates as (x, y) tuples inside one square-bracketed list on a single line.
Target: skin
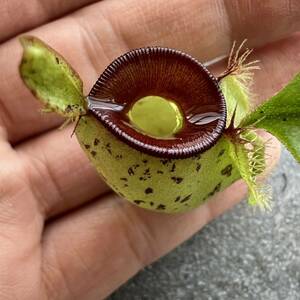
[(94, 234)]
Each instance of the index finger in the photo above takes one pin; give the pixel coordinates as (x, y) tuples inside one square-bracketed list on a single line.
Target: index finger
[(18, 16)]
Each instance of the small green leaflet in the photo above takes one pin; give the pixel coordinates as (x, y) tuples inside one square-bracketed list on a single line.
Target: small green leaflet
[(280, 115), (248, 153), (51, 78)]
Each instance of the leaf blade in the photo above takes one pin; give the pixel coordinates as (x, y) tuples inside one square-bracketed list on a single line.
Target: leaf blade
[(51, 79), (280, 115)]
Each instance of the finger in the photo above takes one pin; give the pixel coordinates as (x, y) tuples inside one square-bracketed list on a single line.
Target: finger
[(110, 240), (113, 241), (18, 16), (260, 18), (60, 173), (202, 28), (65, 164), (277, 66), (21, 227)]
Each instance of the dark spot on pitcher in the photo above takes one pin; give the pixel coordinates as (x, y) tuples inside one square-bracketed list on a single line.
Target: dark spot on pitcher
[(198, 167), (173, 168), (166, 161), (108, 148), (161, 207), (177, 198), (177, 180), (221, 152), (96, 142), (138, 202), (187, 198), (227, 171), (130, 171), (215, 190)]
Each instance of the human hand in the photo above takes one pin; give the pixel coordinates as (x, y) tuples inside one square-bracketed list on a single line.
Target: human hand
[(63, 234)]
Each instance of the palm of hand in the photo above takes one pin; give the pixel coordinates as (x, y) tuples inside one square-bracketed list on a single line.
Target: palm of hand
[(63, 234)]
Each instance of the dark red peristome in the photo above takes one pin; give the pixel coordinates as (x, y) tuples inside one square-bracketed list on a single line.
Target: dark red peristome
[(167, 73)]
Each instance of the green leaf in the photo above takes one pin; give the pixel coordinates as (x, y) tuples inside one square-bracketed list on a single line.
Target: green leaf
[(248, 154), (237, 99), (51, 78), (280, 115)]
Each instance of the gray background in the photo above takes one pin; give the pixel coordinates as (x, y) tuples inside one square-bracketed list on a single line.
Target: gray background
[(242, 255)]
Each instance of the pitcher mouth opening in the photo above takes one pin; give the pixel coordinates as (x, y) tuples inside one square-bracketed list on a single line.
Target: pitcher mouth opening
[(160, 101)]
